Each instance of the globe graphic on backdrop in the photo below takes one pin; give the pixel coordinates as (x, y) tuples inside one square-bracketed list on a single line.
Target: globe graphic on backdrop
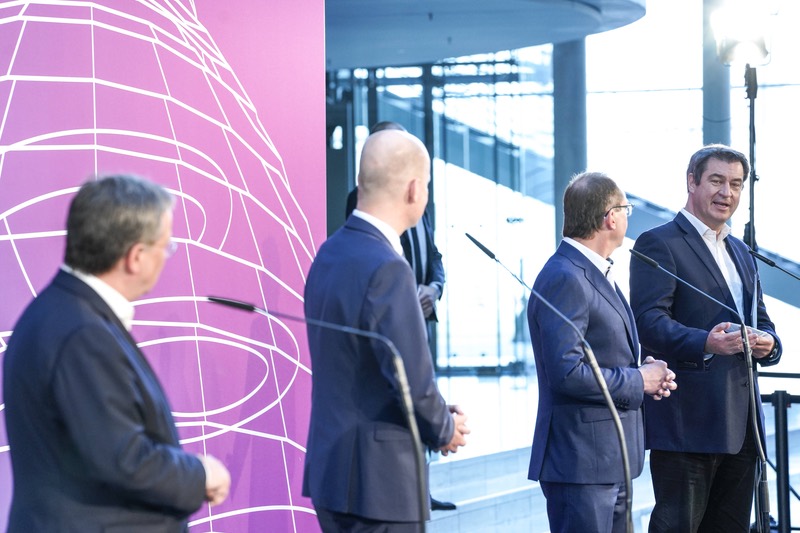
[(94, 88)]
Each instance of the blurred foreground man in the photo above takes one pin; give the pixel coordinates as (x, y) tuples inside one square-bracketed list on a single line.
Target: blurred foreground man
[(94, 447), (360, 469), (576, 453)]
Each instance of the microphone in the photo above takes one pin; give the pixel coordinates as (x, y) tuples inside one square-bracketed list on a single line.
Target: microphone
[(772, 263), (767, 260), (601, 382), (237, 304), (483, 248), (400, 376), (762, 484)]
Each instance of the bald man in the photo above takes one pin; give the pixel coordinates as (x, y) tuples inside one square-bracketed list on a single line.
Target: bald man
[(360, 467)]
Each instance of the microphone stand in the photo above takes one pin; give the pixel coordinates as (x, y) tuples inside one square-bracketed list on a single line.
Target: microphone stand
[(762, 494), (601, 383), (400, 375), (772, 263)]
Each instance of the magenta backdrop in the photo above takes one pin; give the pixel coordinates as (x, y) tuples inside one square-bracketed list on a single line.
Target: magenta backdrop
[(223, 103)]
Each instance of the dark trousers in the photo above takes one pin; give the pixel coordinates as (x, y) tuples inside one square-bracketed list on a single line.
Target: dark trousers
[(576, 508), (332, 522), (703, 492)]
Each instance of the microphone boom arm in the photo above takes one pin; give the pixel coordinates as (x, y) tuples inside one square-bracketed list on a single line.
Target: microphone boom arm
[(400, 376), (772, 263)]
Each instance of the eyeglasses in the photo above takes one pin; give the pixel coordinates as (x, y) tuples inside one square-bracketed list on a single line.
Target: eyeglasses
[(628, 209), (171, 248)]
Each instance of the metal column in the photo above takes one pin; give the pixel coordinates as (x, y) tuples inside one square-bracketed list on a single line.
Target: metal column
[(569, 115)]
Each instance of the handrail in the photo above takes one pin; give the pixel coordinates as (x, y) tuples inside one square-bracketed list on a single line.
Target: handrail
[(778, 375), (781, 400)]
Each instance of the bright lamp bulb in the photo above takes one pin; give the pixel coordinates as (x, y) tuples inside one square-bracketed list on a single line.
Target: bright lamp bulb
[(740, 35)]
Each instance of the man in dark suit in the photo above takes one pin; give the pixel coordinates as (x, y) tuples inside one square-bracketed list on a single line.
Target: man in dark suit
[(576, 453), (703, 451), (421, 252), (93, 443), (360, 466)]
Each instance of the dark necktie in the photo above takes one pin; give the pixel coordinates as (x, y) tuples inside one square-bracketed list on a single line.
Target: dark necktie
[(631, 323), (416, 263)]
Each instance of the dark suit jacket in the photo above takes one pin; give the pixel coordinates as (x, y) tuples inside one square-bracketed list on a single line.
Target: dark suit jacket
[(360, 457), (433, 271), (708, 412), (575, 440), (93, 443)]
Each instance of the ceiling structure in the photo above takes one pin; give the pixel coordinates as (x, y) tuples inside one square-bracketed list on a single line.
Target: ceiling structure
[(380, 33)]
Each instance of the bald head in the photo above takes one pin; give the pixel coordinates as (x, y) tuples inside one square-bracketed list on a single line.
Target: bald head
[(393, 178)]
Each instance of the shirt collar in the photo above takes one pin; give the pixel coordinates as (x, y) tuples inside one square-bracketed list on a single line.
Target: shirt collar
[(119, 305), (384, 228), (702, 229), (597, 260)]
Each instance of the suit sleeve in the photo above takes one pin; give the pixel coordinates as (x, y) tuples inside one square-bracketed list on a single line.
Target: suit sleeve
[(105, 405), (566, 370), (392, 309), (653, 300), (436, 265)]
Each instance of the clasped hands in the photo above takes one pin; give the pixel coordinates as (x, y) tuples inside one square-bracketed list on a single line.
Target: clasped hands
[(459, 433), (726, 339), (427, 299), (659, 381)]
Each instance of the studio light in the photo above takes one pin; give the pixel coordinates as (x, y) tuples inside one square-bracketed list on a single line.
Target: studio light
[(740, 30)]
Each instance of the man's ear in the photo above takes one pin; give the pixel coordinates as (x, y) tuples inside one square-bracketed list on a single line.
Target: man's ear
[(131, 261), (610, 222), (412, 192), (690, 184)]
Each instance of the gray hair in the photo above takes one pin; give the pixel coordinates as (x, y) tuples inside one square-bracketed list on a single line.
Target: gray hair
[(108, 216), (699, 160)]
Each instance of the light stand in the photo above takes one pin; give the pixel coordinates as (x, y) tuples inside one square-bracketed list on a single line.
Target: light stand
[(740, 35), (751, 87), (762, 488)]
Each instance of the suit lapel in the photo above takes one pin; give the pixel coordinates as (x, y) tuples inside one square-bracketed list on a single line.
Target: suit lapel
[(698, 247), (742, 262), (148, 375), (630, 324), (611, 294)]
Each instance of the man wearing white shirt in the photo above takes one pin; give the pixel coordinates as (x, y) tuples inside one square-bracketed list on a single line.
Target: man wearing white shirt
[(702, 446), (576, 454)]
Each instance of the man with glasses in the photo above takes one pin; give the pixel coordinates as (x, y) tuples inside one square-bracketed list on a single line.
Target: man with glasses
[(576, 455), (702, 446), (93, 443)]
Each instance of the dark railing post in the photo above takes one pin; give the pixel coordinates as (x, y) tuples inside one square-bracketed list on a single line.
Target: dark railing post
[(780, 402)]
